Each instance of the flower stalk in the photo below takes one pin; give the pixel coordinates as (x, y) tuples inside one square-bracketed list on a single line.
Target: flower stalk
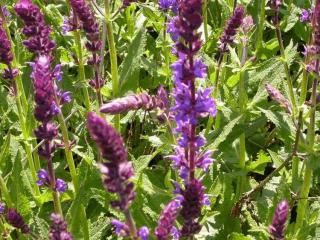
[(276, 23), (113, 59)]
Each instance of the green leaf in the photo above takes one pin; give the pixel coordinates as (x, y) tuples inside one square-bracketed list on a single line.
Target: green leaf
[(259, 165), (132, 62), (224, 133)]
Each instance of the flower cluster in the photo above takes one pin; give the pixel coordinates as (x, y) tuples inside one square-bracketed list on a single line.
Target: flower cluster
[(191, 105), (231, 29), (35, 29), (16, 220), (90, 26), (58, 228), (168, 216), (135, 102), (277, 228), (116, 170), (277, 96), (44, 180)]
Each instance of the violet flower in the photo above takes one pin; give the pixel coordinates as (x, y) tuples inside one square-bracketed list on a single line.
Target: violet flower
[(168, 216), (277, 96), (231, 29), (277, 228), (44, 180), (166, 5), (58, 228), (16, 220), (305, 16), (35, 28), (135, 102)]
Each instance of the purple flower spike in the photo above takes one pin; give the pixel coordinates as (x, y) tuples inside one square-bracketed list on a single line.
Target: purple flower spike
[(2, 208), (193, 199), (277, 96), (143, 233), (35, 28), (16, 220), (122, 229), (61, 186), (6, 56), (167, 219), (116, 171), (89, 24), (277, 228), (231, 29), (58, 228), (135, 102)]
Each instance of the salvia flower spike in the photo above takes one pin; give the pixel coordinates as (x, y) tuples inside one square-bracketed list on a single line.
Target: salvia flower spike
[(191, 105), (35, 29), (230, 30), (167, 218), (16, 220), (58, 229), (277, 96), (135, 102), (277, 228), (116, 171)]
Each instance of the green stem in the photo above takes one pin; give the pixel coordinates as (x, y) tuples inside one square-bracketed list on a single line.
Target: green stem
[(5, 193), (302, 205), (131, 224), (81, 70), (205, 20), (260, 26), (166, 51), (113, 59), (20, 89), (28, 148), (242, 108), (55, 194), (286, 68), (68, 152), (215, 92)]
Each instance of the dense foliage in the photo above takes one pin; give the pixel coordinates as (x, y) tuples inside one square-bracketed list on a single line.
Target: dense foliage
[(169, 119)]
